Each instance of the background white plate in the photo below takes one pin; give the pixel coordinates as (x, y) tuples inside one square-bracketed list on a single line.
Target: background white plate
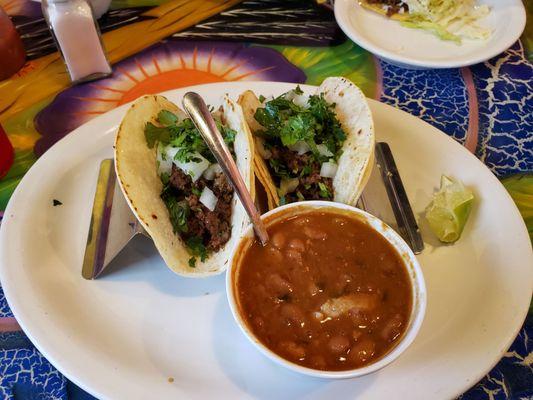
[(408, 47), (124, 335)]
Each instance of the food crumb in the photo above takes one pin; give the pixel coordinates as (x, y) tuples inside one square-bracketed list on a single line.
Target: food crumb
[(56, 202), (170, 380), (154, 216)]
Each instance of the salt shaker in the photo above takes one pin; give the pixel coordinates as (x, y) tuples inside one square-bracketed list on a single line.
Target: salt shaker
[(77, 36)]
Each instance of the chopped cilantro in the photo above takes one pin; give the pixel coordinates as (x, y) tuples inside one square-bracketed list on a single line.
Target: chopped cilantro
[(300, 196), (196, 191), (297, 127), (306, 171), (178, 211), (279, 169), (298, 90), (285, 123), (183, 135), (196, 247), (166, 118), (324, 192), (261, 98), (185, 155), (165, 178), (228, 134), (192, 262), (155, 134)]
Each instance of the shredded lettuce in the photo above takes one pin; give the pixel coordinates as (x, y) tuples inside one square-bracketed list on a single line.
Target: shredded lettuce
[(448, 19)]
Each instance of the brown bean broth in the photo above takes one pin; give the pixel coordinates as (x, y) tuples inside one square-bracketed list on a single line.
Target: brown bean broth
[(329, 260)]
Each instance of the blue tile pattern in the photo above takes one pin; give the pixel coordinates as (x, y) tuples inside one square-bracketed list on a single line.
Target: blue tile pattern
[(505, 93), (439, 97), (14, 340), (26, 375), (4, 308)]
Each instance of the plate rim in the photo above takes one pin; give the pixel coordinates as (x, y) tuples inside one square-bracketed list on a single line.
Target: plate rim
[(341, 11), (113, 115)]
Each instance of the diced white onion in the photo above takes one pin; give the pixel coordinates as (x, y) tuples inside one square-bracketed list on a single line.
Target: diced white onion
[(328, 169), (263, 152), (208, 199), (193, 169), (165, 165), (210, 172), (301, 100), (287, 186), (300, 147), (324, 151), (170, 152)]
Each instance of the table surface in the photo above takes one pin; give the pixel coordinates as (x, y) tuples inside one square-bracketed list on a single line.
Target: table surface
[(487, 107)]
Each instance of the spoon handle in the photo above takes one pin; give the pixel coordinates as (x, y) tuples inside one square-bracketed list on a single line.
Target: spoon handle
[(199, 113)]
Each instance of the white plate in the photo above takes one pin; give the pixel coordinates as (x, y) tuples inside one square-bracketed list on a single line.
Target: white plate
[(124, 335), (408, 47)]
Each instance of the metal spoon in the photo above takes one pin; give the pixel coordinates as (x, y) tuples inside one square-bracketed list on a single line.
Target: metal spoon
[(199, 113)]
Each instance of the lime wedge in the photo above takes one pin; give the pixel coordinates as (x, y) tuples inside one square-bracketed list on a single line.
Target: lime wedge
[(448, 211)]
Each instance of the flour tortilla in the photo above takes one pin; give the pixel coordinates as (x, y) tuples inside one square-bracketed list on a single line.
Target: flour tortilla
[(355, 163), (136, 168), (379, 9)]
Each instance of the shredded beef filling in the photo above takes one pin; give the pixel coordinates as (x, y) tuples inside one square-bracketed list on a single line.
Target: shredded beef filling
[(393, 6), (308, 172), (213, 227)]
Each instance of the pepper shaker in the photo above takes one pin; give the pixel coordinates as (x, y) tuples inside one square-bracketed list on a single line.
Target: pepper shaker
[(77, 36)]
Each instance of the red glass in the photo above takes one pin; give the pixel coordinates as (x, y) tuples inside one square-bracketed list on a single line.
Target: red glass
[(12, 54)]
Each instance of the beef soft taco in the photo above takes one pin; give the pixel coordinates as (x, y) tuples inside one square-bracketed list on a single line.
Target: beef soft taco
[(312, 147), (448, 19), (175, 187), (395, 9)]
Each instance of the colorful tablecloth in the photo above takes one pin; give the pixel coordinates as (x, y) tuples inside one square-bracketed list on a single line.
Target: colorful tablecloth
[(156, 46)]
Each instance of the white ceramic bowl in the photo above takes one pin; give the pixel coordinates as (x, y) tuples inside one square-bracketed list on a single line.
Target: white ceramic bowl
[(411, 263)]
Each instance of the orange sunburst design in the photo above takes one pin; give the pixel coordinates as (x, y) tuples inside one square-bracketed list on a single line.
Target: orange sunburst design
[(251, 73), (126, 73), (209, 60), (101, 87), (163, 67), (141, 69), (96, 99), (88, 112), (194, 57), (233, 68), (170, 70), (183, 65), (156, 65)]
